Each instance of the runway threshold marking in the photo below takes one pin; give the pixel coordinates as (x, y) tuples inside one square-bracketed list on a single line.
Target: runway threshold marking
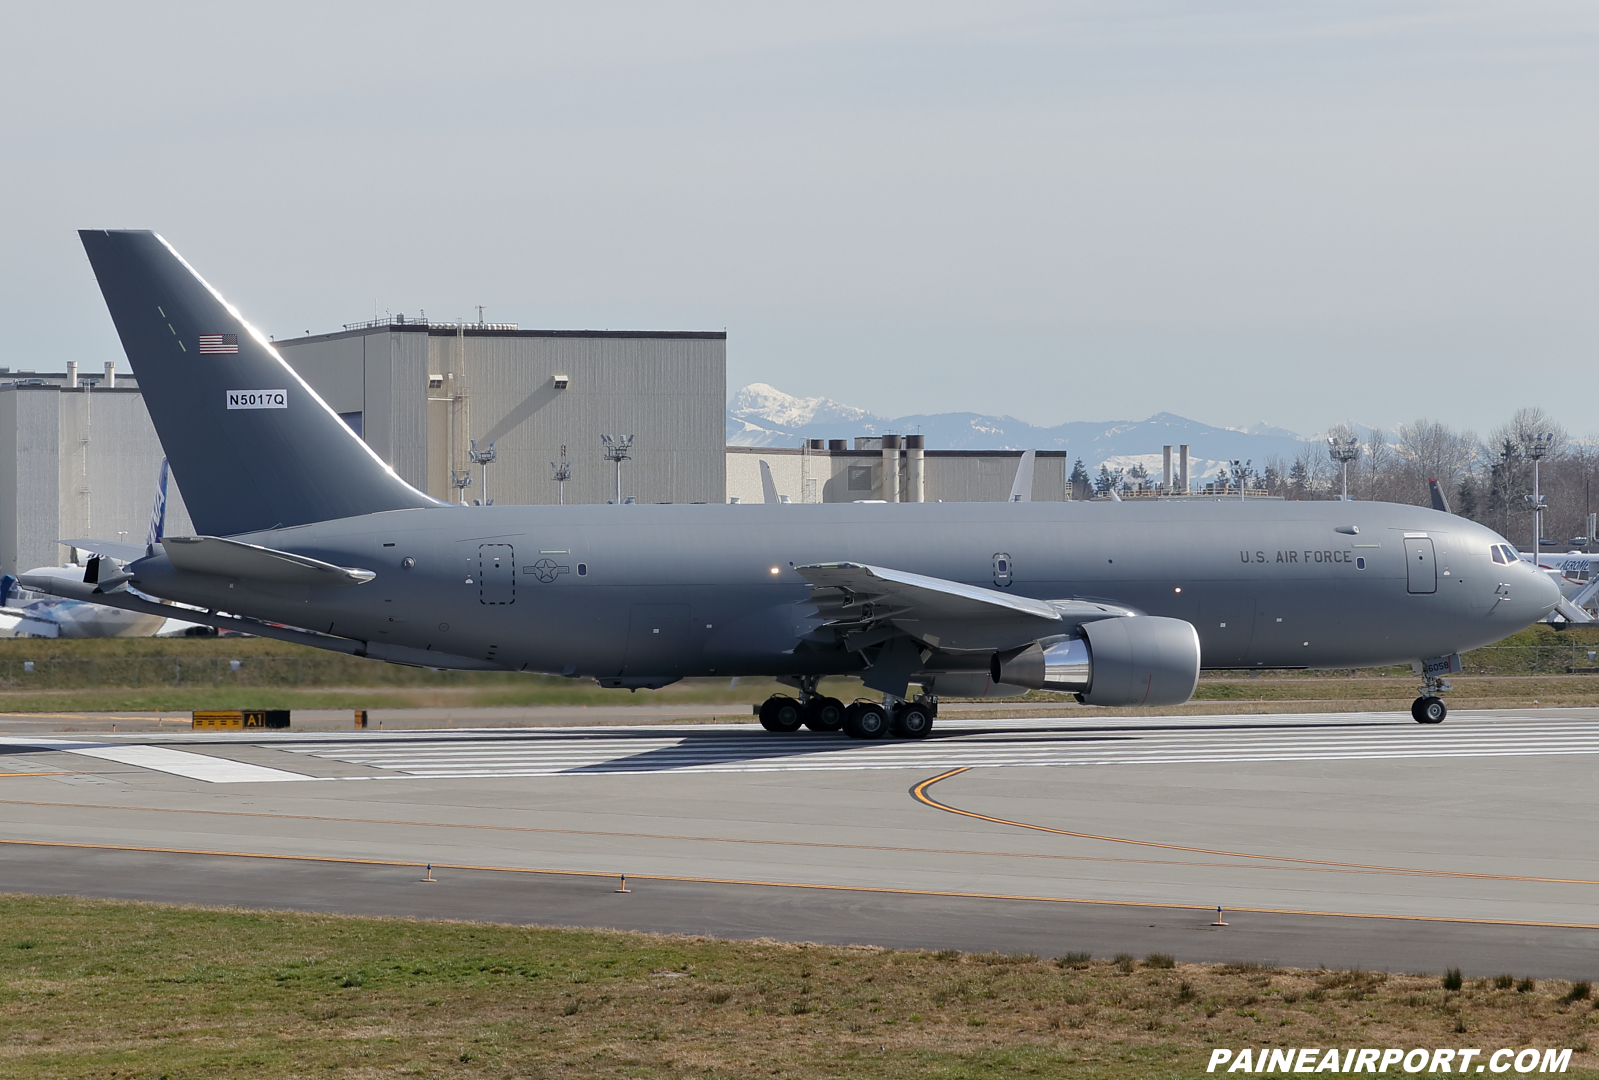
[(531, 870), (919, 793), (1050, 856), (214, 770)]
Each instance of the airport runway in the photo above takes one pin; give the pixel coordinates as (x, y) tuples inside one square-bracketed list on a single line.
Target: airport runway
[(1338, 839)]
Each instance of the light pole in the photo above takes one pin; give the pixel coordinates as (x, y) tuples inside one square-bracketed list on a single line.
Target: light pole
[(461, 480), (1343, 451), (618, 448), (1241, 475), (563, 473), (1535, 445), (484, 458)]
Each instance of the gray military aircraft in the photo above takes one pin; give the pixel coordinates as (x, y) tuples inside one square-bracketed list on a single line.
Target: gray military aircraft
[(302, 524)]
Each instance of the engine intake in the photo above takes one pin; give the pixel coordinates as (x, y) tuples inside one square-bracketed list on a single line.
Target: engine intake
[(1132, 660)]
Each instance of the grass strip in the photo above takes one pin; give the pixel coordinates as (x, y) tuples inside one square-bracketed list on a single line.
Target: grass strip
[(92, 988)]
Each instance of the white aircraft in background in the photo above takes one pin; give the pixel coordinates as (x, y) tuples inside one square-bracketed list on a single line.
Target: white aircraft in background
[(25, 613)]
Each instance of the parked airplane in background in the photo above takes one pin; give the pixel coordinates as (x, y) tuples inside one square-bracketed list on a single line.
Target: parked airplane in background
[(38, 613), (301, 523)]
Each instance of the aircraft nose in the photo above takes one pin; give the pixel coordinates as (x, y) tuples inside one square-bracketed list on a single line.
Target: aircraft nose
[(1545, 593)]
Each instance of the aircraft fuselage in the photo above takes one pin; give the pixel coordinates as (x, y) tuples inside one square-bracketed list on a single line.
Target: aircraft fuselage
[(644, 591)]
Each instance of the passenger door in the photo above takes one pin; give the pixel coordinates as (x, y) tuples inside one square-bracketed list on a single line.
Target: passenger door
[(1421, 565)]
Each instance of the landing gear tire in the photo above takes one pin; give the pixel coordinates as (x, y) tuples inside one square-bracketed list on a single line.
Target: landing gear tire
[(781, 713), (824, 714), (1429, 710), (913, 721), (864, 720)]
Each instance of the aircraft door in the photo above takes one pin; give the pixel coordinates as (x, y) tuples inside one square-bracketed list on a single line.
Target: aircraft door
[(496, 574), (657, 639), (1421, 565)]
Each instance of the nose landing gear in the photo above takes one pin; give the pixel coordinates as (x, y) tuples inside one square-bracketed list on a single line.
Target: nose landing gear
[(1429, 708)]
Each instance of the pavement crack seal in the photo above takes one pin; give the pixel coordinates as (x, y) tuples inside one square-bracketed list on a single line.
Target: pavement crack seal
[(873, 889), (919, 793)]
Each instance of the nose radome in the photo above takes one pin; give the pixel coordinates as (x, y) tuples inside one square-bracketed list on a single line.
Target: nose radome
[(1545, 593)]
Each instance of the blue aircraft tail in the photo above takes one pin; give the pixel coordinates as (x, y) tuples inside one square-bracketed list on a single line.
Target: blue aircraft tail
[(252, 444), (158, 513)]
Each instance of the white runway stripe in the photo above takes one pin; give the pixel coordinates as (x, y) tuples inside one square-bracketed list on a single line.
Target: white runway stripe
[(746, 748), (213, 770)]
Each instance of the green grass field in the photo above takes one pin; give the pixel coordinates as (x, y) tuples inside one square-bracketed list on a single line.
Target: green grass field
[(108, 989)]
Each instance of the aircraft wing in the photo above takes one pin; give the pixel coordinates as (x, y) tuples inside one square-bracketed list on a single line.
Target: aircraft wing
[(230, 558), (19, 622), (872, 603)]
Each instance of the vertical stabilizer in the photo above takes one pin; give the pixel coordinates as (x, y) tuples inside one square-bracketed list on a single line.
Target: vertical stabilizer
[(768, 488), (158, 513), (1022, 489), (252, 444), (1439, 500)]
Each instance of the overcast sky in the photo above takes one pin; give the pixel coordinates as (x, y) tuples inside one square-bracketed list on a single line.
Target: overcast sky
[(1240, 212)]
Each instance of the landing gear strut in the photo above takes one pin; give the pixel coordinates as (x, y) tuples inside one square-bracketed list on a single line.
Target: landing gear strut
[(1429, 708)]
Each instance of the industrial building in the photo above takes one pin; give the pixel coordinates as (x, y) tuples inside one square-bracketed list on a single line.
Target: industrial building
[(891, 468), (899, 468), (421, 394), (78, 457)]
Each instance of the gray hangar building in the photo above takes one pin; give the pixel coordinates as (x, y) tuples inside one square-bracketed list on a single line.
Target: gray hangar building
[(419, 393)]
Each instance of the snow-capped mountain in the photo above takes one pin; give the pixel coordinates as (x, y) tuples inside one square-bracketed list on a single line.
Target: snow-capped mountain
[(762, 415)]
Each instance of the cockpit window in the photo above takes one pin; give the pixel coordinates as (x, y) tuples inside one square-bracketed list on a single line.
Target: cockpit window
[(1499, 554)]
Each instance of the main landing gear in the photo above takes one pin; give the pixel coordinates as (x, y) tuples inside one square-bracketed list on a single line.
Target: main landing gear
[(1429, 708), (783, 713), (905, 719), (861, 720)]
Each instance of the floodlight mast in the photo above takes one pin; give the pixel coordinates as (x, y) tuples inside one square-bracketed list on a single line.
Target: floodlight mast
[(618, 448), (461, 480), (484, 458), (563, 473), (1343, 451), (1535, 445)]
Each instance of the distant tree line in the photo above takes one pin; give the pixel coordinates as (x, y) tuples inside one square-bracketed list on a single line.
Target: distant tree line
[(1486, 480)]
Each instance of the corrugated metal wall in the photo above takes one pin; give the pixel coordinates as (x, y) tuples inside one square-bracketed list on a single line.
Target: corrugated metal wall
[(81, 463), (668, 391)]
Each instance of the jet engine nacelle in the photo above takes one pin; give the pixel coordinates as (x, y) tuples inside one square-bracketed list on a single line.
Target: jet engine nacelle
[(1133, 660)]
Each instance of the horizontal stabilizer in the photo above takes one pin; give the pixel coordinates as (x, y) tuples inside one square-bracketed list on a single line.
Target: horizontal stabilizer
[(120, 550), (72, 589), (252, 562)]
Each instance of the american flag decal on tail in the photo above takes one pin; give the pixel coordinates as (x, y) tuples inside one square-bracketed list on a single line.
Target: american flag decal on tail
[(219, 344)]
